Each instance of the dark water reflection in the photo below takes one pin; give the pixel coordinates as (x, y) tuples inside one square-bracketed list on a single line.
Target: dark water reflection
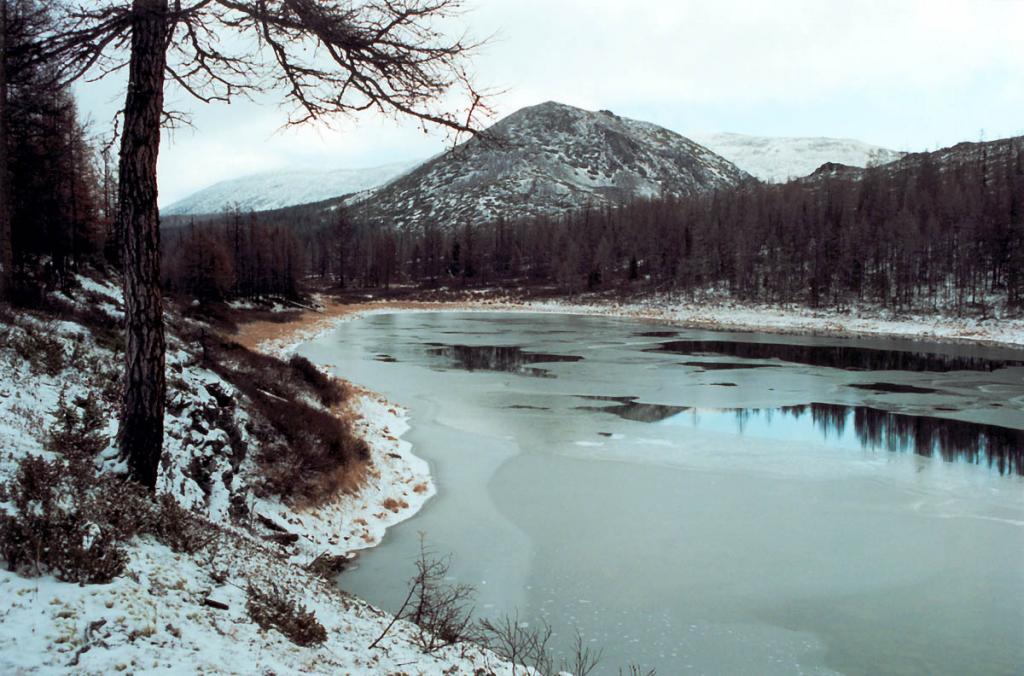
[(836, 356), (893, 388), (725, 365), (631, 409), (656, 334), (508, 359), (1000, 448)]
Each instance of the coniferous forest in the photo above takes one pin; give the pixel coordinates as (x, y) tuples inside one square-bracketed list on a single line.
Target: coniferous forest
[(61, 203), (934, 231)]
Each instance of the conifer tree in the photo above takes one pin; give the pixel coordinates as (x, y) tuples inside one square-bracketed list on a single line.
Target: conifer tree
[(327, 57)]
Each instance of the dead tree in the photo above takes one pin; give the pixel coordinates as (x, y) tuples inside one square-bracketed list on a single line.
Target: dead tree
[(327, 57)]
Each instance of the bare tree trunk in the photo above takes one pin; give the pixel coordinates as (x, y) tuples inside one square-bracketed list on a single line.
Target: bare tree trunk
[(6, 253), (140, 437)]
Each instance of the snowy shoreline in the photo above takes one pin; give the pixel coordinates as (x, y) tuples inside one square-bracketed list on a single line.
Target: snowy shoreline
[(397, 486), (712, 316), (804, 321)]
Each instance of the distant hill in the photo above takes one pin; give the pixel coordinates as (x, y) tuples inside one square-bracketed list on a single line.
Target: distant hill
[(778, 159), (992, 155), (544, 160), (278, 189)]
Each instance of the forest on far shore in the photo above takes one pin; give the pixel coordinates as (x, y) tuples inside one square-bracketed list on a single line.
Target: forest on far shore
[(939, 231)]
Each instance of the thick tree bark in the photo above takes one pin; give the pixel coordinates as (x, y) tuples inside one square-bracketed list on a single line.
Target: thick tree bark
[(6, 252), (140, 437)]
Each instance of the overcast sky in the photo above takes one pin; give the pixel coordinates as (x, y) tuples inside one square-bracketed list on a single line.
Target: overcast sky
[(901, 74)]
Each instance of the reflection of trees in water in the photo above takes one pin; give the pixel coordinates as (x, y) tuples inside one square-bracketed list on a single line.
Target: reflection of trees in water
[(509, 359), (640, 412), (725, 365), (893, 388), (952, 440), (837, 356), (629, 408)]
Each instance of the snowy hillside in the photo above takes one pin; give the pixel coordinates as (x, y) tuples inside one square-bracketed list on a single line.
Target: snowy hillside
[(228, 585), (778, 159), (274, 190), (997, 155), (548, 159)]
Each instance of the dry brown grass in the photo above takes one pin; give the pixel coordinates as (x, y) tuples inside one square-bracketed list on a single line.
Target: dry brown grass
[(345, 480), (256, 333), (393, 505), (307, 454)]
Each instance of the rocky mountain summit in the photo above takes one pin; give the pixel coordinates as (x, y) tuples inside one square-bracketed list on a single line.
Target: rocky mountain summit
[(542, 160)]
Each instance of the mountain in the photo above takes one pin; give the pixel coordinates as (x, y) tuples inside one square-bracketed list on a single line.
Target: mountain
[(1001, 155), (547, 159), (274, 190), (778, 159)]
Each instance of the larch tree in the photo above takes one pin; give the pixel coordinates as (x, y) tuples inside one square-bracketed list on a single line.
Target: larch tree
[(327, 57), (6, 247)]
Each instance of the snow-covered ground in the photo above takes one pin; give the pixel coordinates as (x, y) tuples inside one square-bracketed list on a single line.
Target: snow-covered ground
[(155, 618), (797, 319)]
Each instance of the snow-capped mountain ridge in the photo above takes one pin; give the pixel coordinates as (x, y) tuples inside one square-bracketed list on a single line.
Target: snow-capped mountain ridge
[(279, 189), (1000, 152), (543, 159), (547, 159), (779, 159)]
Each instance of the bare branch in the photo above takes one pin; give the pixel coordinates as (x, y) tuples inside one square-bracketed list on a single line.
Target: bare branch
[(328, 57)]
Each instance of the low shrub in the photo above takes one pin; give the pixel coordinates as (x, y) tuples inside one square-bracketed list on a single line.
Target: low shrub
[(78, 429), (442, 612), (105, 329), (310, 456), (329, 390), (178, 528), (57, 528), (271, 609), (63, 519), (328, 566), (41, 350)]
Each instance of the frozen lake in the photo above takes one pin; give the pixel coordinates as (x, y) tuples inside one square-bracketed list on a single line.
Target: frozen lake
[(711, 502)]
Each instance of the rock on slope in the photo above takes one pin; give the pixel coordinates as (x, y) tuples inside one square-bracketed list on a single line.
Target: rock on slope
[(778, 159), (275, 190), (547, 159)]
